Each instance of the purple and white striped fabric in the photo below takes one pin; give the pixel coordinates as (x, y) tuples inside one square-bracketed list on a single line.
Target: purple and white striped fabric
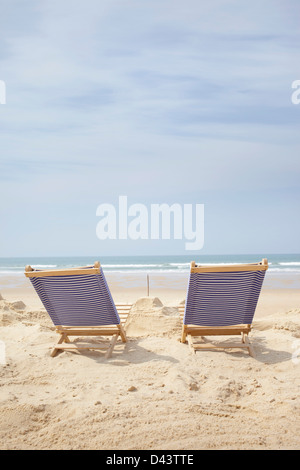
[(77, 300), (222, 298)]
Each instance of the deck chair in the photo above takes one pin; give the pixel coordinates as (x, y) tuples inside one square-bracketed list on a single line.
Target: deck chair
[(79, 303), (221, 300)]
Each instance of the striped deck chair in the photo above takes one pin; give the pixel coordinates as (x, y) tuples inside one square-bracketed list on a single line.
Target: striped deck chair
[(79, 303), (221, 300)]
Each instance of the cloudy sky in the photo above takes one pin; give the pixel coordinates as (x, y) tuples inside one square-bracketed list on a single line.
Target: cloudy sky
[(163, 101)]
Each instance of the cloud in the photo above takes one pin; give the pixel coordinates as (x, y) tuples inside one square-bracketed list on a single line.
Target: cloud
[(146, 98)]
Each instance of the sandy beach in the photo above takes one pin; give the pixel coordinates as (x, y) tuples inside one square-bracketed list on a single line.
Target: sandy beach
[(152, 393)]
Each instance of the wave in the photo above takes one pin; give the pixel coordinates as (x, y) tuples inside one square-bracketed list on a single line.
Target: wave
[(131, 265), (284, 270), (34, 265), (153, 265), (290, 263), (145, 271), (11, 272), (44, 265), (178, 264)]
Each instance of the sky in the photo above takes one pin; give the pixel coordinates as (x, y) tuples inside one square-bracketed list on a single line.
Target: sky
[(162, 101)]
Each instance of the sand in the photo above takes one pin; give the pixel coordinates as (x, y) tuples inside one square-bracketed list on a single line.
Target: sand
[(152, 394)]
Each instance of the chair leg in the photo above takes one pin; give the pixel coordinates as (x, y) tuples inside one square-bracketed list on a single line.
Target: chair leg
[(111, 346), (122, 333), (63, 337), (183, 334), (250, 348), (191, 344)]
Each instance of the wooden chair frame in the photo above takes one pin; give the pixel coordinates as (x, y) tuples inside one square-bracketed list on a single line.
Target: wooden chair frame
[(113, 331), (189, 332)]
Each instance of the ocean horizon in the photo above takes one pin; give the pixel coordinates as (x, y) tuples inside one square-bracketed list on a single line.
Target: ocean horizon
[(278, 263)]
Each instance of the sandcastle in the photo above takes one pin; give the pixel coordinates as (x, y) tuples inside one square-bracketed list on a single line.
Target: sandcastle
[(148, 316)]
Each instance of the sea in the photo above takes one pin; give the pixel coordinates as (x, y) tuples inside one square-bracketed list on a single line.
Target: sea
[(278, 263), (284, 269)]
